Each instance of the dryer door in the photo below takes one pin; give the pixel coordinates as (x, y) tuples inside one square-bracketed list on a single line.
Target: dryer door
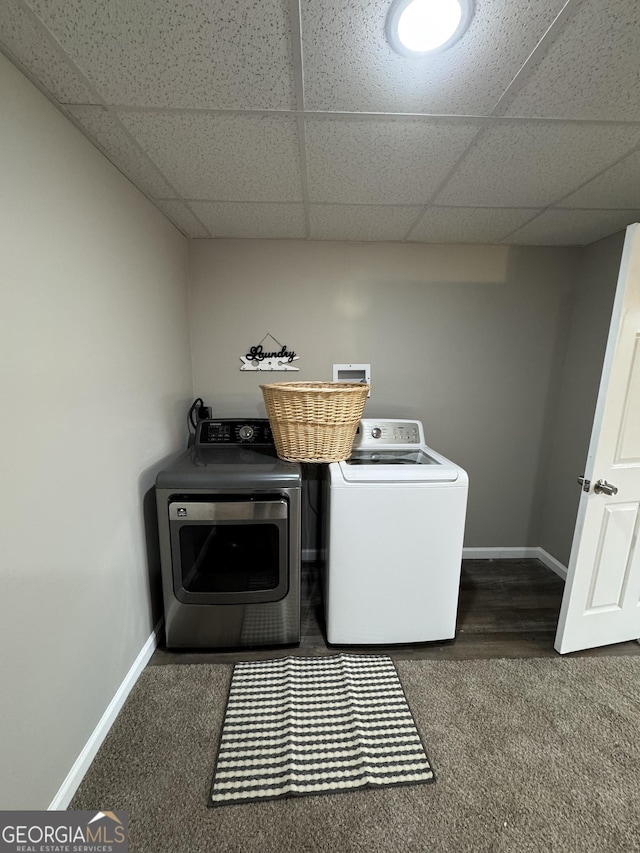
[(229, 551)]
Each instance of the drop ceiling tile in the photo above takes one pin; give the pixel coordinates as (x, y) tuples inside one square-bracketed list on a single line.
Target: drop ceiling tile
[(227, 219), (350, 66), (222, 157), (27, 41), (591, 71), (572, 227), (123, 152), (619, 186), (161, 53), (360, 222), (365, 161), (468, 225), (182, 217), (532, 164)]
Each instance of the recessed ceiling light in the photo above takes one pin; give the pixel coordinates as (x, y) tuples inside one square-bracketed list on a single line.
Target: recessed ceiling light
[(418, 27)]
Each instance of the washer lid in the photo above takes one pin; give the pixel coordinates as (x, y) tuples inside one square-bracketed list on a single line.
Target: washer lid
[(400, 465)]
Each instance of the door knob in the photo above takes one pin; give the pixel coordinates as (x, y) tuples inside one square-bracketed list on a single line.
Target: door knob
[(601, 487)]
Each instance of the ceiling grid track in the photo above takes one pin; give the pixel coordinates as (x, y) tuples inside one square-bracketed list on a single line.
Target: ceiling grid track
[(540, 50), (557, 204), (298, 82), (444, 182)]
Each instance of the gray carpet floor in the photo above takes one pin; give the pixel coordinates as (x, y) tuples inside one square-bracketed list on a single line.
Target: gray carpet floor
[(530, 755)]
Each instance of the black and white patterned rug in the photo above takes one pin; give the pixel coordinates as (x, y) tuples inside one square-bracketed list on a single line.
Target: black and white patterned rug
[(296, 726)]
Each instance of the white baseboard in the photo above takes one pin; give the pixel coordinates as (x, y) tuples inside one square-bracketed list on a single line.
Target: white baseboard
[(82, 762), (500, 553), (517, 554), (553, 564)]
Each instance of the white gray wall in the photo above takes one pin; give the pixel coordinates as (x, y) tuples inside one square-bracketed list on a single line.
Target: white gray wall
[(467, 338), (577, 392), (94, 385)]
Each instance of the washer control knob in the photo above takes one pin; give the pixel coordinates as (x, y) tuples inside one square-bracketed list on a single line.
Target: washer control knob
[(376, 432), (246, 432)]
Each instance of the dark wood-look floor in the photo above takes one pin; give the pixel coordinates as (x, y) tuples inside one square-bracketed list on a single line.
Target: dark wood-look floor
[(507, 609)]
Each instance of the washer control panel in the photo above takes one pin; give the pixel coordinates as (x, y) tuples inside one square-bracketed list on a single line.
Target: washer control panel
[(228, 431), (390, 432)]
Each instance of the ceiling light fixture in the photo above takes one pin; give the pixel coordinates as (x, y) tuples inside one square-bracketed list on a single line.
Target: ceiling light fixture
[(418, 27)]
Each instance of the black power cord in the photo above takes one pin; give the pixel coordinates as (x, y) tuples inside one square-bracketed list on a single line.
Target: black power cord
[(192, 418)]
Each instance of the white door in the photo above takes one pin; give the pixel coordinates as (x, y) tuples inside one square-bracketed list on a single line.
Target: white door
[(601, 603)]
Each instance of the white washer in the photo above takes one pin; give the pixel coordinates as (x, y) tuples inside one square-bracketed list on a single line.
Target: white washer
[(395, 523)]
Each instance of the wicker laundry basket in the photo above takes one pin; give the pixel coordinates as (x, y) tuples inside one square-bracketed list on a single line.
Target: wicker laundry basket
[(314, 421)]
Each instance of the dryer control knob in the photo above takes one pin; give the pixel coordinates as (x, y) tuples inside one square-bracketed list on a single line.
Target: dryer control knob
[(376, 432), (246, 432)]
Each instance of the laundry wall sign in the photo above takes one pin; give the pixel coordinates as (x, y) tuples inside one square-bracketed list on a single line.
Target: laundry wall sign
[(269, 354)]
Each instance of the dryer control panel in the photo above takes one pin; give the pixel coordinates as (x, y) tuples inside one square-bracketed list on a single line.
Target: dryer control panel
[(388, 433), (231, 431)]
